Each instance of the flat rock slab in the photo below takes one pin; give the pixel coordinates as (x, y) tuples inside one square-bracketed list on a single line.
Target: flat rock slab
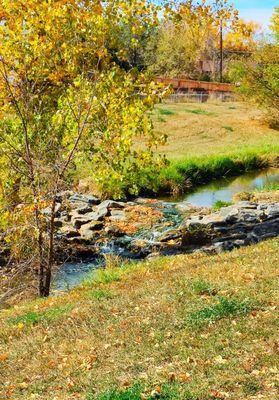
[(272, 211), (69, 232), (82, 198), (117, 215), (84, 210), (111, 204)]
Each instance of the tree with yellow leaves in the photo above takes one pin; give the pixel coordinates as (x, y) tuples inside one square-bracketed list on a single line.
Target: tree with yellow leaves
[(60, 89), (200, 31), (259, 75)]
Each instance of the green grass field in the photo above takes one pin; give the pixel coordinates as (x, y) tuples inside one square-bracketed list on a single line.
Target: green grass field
[(189, 327)]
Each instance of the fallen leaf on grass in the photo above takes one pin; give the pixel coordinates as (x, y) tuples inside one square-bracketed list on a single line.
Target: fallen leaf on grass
[(20, 326), (3, 357), (184, 377)]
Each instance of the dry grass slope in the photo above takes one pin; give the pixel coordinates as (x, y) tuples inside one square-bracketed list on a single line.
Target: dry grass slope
[(211, 128), (193, 327)]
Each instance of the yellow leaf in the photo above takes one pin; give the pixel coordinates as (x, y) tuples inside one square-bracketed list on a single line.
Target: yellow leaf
[(20, 326)]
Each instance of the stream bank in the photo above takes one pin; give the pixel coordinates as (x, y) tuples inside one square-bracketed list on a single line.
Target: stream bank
[(192, 172)]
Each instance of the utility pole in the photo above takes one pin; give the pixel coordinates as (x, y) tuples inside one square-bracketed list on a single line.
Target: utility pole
[(221, 51)]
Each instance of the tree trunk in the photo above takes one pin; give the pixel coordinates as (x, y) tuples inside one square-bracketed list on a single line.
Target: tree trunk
[(46, 270)]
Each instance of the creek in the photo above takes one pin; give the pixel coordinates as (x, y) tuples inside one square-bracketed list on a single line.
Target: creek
[(73, 273)]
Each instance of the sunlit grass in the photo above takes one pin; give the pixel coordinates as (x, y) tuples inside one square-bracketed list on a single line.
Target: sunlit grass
[(34, 317), (183, 327), (269, 187), (212, 128)]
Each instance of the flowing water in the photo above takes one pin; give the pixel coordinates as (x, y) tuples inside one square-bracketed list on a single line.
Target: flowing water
[(71, 274)]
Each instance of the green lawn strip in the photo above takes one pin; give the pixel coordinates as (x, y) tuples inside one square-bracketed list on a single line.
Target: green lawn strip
[(223, 308), (167, 391), (100, 294), (165, 111)]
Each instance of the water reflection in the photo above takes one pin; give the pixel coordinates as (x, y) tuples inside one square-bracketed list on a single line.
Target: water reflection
[(225, 189)]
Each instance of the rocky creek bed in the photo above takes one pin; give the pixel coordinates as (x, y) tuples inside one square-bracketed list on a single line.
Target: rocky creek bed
[(88, 229)]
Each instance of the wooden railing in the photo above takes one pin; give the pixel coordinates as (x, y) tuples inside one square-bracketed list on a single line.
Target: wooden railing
[(187, 85)]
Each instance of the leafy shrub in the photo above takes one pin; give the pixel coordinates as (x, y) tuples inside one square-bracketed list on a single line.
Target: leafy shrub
[(259, 77), (121, 143)]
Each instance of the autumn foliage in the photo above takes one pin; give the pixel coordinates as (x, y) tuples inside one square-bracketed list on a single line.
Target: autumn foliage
[(67, 100)]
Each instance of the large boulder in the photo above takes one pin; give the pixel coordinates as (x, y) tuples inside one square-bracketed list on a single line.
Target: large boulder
[(111, 204), (47, 211), (172, 234), (92, 226), (78, 220), (114, 230), (88, 235), (84, 210)]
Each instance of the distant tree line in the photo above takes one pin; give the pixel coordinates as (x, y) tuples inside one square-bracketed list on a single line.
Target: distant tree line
[(194, 39)]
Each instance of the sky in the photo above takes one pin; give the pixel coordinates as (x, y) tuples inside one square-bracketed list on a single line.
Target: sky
[(258, 10)]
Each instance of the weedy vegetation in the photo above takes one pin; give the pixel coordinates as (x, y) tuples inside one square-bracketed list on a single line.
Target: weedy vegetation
[(219, 204)]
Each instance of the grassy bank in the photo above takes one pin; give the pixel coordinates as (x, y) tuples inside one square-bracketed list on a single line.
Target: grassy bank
[(211, 140), (205, 142), (190, 327), (210, 129), (192, 171)]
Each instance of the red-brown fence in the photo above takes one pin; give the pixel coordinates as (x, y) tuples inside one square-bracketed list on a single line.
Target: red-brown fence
[(187, 85)]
